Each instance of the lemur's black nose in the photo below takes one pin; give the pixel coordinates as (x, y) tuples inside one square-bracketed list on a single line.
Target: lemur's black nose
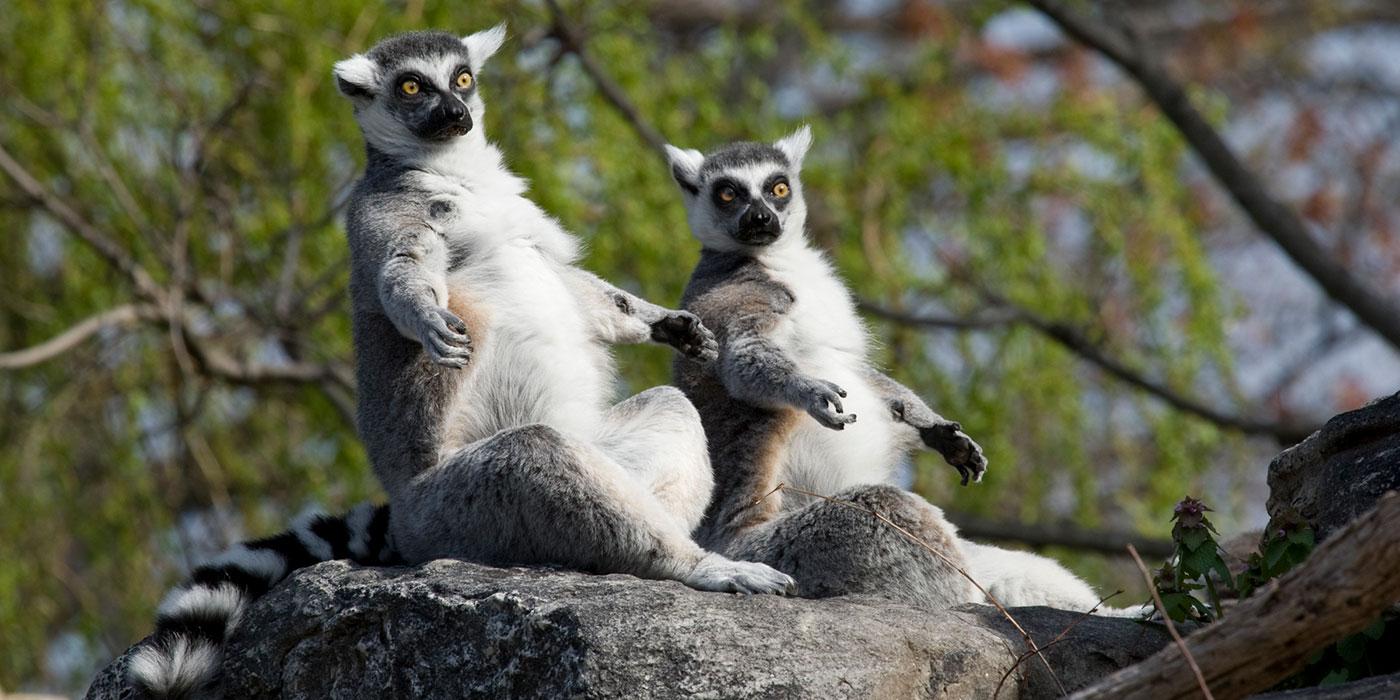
[(761, 215), (455, 110)]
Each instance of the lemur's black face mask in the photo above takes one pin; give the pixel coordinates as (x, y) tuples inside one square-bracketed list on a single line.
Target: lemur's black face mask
[(753, 221), (433, 112)]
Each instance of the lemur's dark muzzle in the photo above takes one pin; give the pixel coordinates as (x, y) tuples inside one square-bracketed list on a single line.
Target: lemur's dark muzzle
[(758, 226), (452, 119)]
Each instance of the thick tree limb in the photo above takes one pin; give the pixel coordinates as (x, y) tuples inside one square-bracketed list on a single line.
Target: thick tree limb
[(124, 315), (1059, 535), (1273, 218), (1344, 586)]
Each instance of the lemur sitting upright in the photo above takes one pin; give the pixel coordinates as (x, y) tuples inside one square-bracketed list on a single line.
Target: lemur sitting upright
[(794, 399), (483, 378)]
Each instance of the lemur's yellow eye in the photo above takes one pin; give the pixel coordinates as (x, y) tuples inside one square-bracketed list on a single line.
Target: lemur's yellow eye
[(781, 190), (409, 87), (727, 194), (464, 80)]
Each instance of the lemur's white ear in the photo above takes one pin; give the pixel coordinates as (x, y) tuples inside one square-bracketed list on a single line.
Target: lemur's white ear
[(685, 167), (483, 45), (795, 145), (356, 77)]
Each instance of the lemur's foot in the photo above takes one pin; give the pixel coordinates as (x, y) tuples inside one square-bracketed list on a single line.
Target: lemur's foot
[(957, 449), (716, 573), (683, 331), (822, 399), (444, 337)]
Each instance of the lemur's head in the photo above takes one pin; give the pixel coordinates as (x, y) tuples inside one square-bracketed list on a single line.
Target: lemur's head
[(418, 90), (745, 196)]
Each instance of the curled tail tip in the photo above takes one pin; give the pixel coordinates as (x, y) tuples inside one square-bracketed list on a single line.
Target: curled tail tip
[(176, 668)]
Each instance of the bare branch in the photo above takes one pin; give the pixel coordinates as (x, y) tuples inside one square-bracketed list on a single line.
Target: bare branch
[(1077, 343), (1347, 583), (124, 315), (1273, 218), (1171, 626), (1060, 535), (954, 323), (66, 215), (571, 39)]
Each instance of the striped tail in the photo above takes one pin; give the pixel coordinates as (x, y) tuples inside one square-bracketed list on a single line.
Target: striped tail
[(185, 654)]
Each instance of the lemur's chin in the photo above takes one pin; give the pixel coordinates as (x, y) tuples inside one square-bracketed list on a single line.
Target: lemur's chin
[(756, 238), (447, 133)]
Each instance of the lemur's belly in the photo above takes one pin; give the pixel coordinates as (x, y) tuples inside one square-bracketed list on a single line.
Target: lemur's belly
[(867, 451), (533, 358)]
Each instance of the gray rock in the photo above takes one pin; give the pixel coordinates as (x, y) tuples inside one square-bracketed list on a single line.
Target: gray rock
[(1339, 472), (453, 629)]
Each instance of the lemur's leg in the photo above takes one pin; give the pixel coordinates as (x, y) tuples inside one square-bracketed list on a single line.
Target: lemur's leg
[(657, 437), (413, 291), (837, 549), (532, 495), (619, 317), (931, 429)]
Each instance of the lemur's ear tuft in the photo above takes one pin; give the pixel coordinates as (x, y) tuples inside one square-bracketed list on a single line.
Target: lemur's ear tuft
[(483, 45), (356, 77), (795, 145), (685, 167)]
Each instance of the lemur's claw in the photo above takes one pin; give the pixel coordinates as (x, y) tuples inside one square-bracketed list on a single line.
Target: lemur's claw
[(683, 331), (444, 338), (959, 450)]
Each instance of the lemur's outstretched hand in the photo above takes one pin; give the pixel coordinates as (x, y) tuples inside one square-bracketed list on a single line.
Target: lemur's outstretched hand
[(444, 337), (957, 449), (683, 331), (822, 400)]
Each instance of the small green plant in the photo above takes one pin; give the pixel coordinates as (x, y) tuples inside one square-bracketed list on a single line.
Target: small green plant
[(1285, 544), (1198, 564), (1197, 556)]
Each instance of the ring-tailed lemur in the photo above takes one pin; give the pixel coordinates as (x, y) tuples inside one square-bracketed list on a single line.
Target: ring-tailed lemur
[(781, 405), (483, 376)]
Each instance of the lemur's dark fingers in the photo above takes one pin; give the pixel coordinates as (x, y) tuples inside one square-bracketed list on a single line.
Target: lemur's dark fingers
[(453, 321), (452, 329), (445, 354), (831, 419)]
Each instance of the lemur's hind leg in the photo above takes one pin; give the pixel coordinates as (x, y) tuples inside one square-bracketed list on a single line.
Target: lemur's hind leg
[(840, 548), (532, 495), (657, 437)]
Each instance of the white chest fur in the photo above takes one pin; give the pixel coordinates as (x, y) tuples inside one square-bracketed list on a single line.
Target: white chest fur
[(534, 359), (827, 339)]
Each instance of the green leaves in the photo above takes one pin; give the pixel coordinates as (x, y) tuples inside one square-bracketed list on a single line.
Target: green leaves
[(1198, 564)]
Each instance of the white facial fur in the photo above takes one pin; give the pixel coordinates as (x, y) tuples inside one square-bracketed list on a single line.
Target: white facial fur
[(711, 225), (371, 93)]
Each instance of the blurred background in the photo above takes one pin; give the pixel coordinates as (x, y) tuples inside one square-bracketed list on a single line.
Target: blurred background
[(1039, 250)]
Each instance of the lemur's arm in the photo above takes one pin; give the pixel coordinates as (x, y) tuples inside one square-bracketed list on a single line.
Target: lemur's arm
[(935, 431), (413, 291), (753, 366), (620, 317)]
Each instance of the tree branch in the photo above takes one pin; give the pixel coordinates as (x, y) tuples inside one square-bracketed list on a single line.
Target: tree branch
[(1344, 586), (1077, 343), (1060, 535), (124, 315), (1273, 218), (571, 39), (96, 239)]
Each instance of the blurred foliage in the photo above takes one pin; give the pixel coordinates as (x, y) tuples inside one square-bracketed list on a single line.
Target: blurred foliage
[(211, 132)]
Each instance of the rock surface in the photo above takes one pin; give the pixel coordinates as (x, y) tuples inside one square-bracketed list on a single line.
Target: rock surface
[(1340, 471), (453, 629)]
